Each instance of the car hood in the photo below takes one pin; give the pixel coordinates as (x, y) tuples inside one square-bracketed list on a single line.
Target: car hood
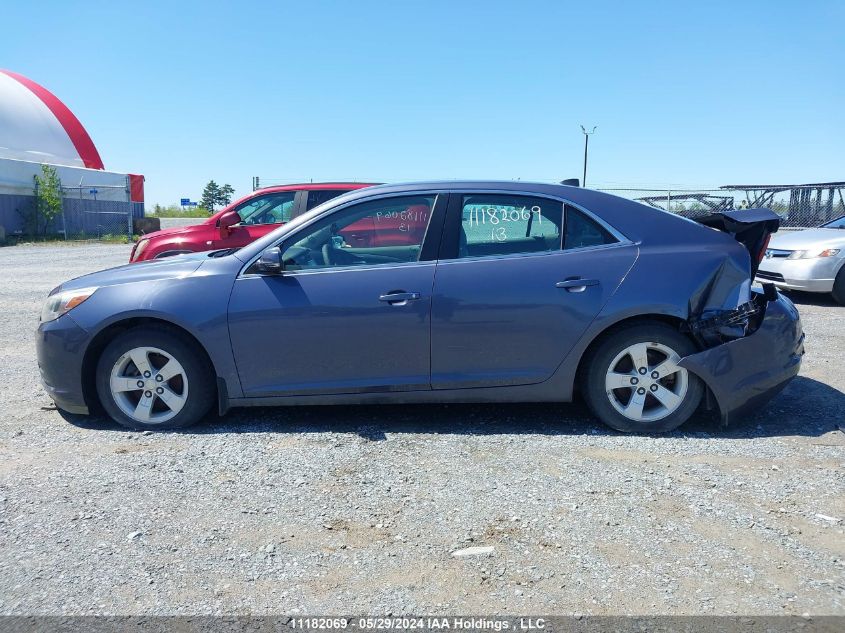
[(810, 238), (153, 270), (176, 230)]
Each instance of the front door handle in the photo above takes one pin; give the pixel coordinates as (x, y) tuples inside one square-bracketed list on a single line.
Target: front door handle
[(577, 284), (399, 298)]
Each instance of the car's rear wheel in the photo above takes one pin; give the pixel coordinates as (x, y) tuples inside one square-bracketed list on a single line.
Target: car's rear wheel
[(151, 378), (839, 287), (632, 381)]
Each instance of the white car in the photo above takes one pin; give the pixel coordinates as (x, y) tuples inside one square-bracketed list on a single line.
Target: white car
[(812, 260)]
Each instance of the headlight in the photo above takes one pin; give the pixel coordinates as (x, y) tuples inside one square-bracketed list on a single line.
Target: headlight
[(139, 249), (62, 302), (828, 252)]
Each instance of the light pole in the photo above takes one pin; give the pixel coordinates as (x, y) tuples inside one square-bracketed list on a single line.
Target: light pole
[(586, 144)]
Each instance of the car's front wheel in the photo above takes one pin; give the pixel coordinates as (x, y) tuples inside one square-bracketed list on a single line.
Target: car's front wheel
[(152, 378), (839, 287), (632, 381)]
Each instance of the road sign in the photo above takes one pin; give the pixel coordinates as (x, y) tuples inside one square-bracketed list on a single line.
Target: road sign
[(186, 202)]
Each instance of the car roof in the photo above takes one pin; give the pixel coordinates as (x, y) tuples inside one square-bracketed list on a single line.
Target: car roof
[(577, 195), (516, 185), (300, 186)]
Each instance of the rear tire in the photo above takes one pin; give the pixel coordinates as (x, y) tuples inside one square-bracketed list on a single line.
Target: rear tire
[(151, 378), (631, 381), (839, 287)]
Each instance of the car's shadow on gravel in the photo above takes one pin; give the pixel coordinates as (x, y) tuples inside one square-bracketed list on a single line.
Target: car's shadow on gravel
[(812, 299), (806, 407)]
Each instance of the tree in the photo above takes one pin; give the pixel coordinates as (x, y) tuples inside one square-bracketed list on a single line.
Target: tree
[(210, 195), (226, 192), (48, 197), (214, 195)]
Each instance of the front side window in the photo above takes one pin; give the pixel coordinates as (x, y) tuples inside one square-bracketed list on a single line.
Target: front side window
[(384, 231), (497, 224), (270, 209)]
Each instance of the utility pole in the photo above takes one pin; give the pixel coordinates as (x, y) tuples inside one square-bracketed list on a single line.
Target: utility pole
[(586, 144)]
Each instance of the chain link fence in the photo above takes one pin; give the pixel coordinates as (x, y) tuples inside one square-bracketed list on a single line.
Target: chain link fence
[(802, 206), (799, 206), (103, 212)]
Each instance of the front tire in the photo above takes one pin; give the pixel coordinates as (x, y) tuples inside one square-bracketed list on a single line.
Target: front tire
[(152, 378), (839, 287), (633, 384)]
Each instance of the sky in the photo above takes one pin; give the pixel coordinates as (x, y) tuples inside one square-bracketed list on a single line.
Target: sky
[(683, 94)]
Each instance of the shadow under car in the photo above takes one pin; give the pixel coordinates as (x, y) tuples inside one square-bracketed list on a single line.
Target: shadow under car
[(816, 412)]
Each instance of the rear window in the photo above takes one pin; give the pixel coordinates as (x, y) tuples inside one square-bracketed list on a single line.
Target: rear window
[(319, 196)]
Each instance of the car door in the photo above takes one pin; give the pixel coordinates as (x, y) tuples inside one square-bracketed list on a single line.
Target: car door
[(341, 318), (259, 215), (518, 282)]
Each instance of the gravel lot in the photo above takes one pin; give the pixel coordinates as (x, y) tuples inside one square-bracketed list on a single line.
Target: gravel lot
[(345, 509)]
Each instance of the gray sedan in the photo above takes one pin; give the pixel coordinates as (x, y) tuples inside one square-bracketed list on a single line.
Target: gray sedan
[(437, 292), (812, 260)]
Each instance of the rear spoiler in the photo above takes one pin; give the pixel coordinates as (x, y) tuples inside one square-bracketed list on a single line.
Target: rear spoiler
[(750, 227)]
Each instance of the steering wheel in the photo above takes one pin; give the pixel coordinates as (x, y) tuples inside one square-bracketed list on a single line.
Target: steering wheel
[(334, 256), (299, 256)]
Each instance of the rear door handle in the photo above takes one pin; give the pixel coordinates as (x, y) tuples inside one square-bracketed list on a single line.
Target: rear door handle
[(399, 298), (577, 284)]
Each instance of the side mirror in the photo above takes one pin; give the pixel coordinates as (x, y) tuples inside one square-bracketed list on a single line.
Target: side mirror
[(226, 221), (270, 261)]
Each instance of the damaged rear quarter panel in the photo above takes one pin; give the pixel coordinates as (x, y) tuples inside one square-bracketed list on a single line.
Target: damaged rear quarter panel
[(684, 279), (691, 272), (692, 268), (746, 372), (705, 277)]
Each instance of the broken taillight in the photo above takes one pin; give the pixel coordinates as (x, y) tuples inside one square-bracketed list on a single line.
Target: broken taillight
[(764, 248)]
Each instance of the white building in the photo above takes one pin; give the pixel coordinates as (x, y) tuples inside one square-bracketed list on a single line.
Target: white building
[(37, 128)]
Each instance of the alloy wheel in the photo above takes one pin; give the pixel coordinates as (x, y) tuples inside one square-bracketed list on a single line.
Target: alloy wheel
[(149, 385), (644, 382)]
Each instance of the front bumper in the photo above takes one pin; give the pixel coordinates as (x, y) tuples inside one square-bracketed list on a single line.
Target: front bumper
[(816, 274), (60, 346), (745, 373)]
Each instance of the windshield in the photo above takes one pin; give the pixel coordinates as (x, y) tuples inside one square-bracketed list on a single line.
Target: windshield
[(838, 223)]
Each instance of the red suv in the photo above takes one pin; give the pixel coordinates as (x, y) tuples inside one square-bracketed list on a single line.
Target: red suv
[(241, 222)]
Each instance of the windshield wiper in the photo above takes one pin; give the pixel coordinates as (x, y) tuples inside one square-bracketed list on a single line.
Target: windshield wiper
[(223, 252)]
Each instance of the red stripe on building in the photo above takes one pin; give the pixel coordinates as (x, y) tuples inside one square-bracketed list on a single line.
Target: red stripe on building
[(78, 136)]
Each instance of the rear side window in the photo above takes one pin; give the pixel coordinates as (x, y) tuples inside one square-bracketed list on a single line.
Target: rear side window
[(493, 224), (581, 231), (319, 196)]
